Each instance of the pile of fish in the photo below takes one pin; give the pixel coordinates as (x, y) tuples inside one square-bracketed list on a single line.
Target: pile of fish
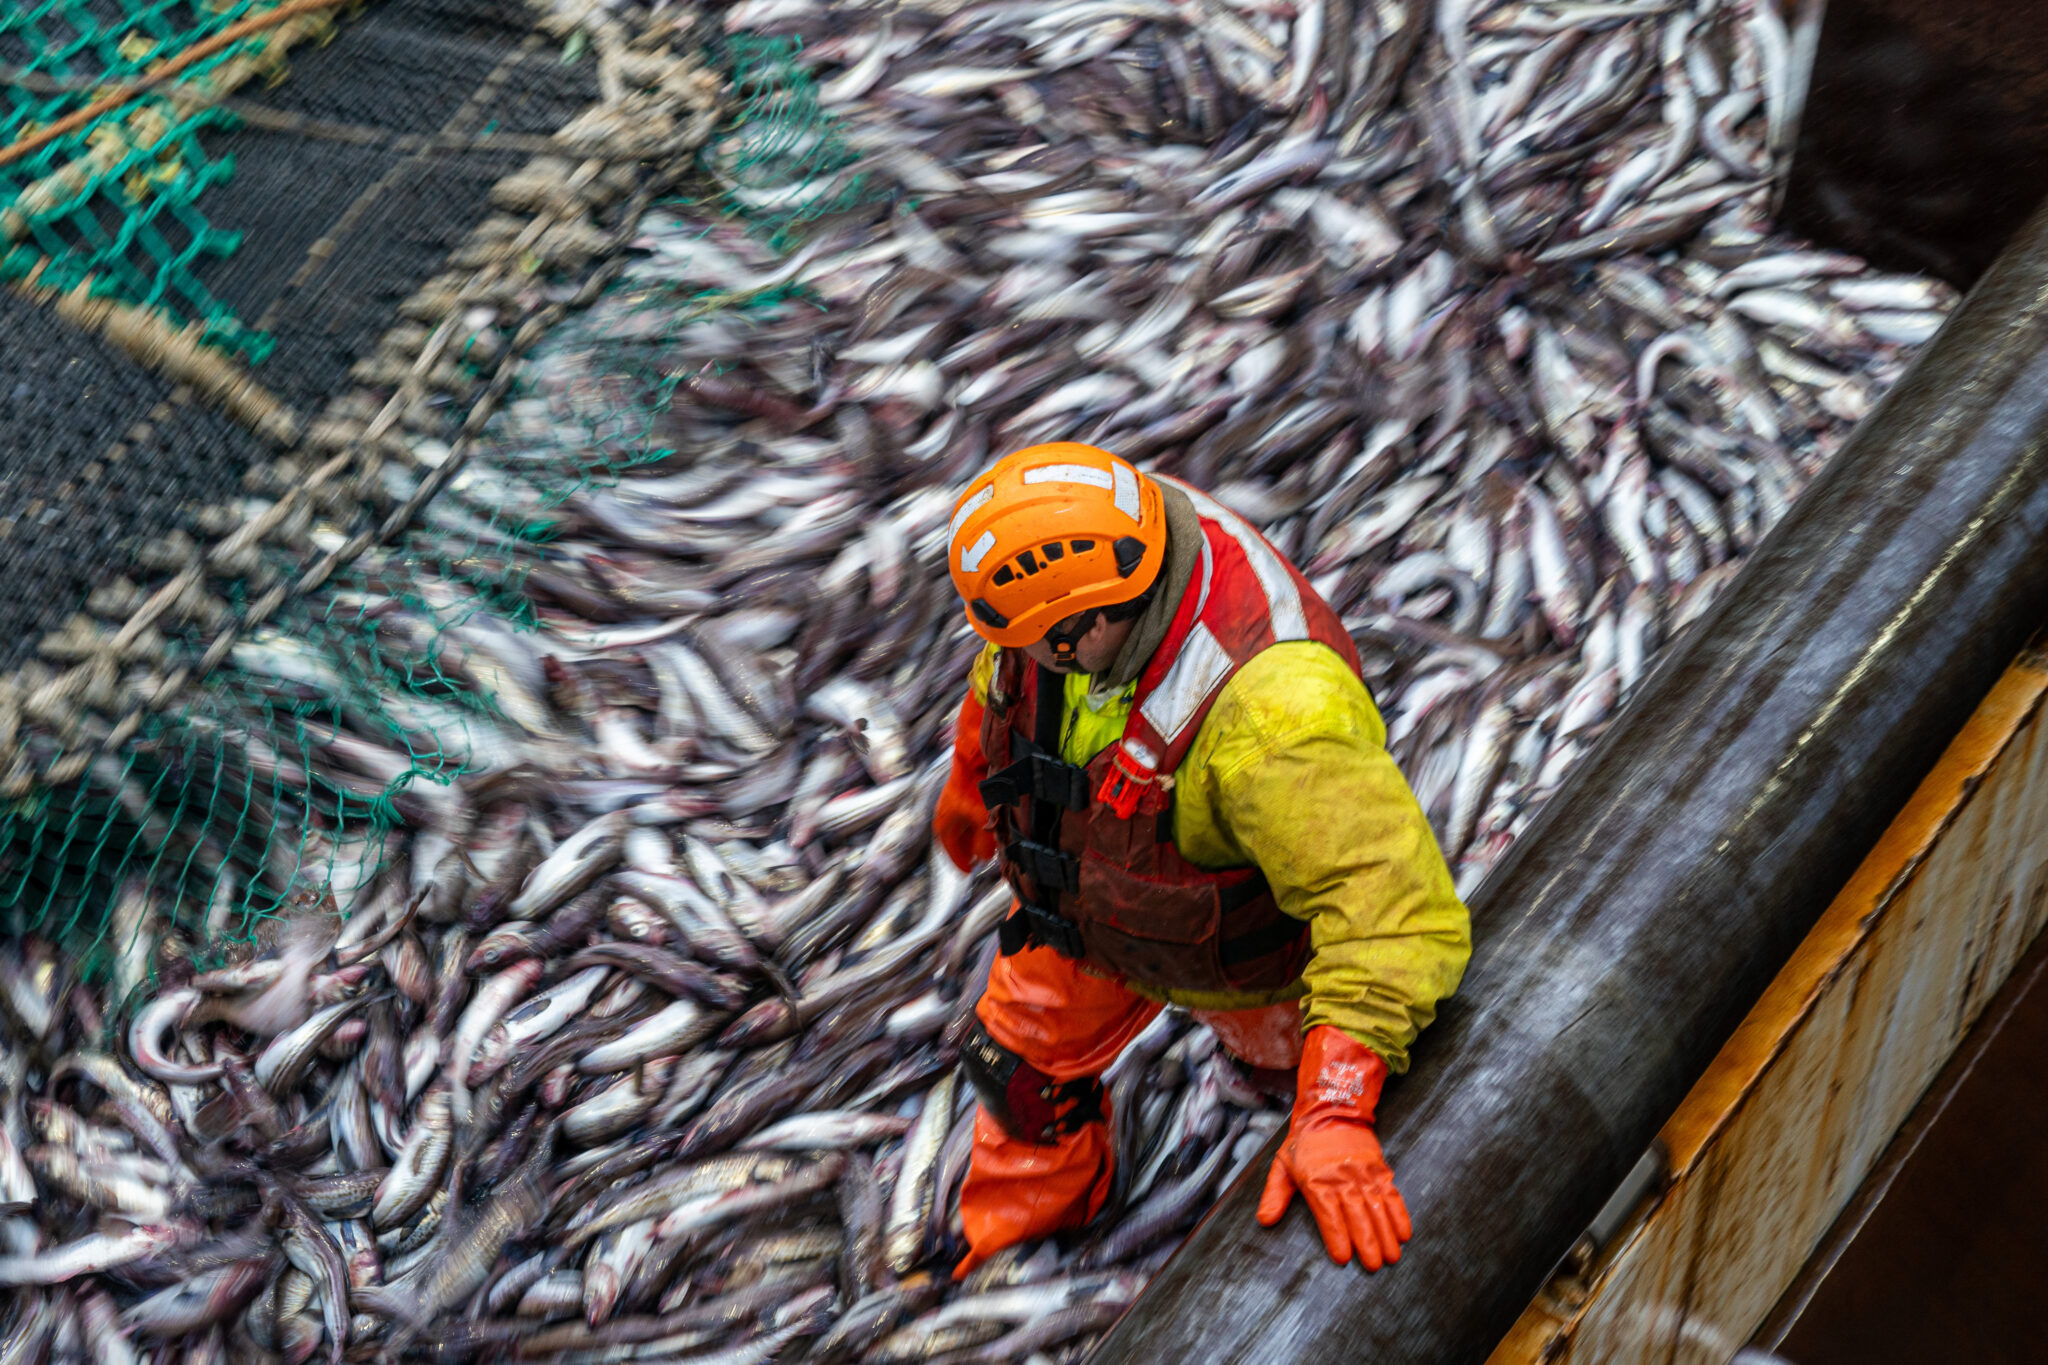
[(635, 1038), (611, 1113)]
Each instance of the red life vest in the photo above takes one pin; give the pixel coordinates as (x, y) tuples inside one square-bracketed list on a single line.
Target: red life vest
[(1090, 852)]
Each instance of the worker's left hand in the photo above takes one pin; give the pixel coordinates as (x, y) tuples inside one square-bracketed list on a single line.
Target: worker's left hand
[(1332, 1157)]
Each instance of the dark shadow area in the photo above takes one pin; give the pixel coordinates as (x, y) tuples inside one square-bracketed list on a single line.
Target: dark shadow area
[(1941, 1254), (1924, 143), (335, 236), (99, 457)]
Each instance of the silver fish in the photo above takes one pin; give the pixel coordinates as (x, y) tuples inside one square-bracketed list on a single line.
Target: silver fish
[(903, 1234), (411, 1181), (90, 1254)]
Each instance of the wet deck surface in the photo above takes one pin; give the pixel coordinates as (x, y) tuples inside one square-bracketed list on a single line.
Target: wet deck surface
[(1943, 1252)]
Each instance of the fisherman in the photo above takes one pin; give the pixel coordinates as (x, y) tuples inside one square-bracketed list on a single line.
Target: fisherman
[(1167, 745)]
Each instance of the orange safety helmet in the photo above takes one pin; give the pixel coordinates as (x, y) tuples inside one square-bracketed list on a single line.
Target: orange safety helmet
[(1051, 531)]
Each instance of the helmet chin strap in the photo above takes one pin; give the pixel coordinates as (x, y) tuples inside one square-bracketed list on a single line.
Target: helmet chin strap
[(1063, 641)]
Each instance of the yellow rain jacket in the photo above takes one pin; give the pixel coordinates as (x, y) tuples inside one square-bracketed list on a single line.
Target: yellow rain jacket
[(1290, 773)]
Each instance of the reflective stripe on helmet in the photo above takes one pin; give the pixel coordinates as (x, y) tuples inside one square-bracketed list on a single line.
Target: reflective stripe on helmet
[(1126, 482), (971, 557), (969, 508), (1062, 473)]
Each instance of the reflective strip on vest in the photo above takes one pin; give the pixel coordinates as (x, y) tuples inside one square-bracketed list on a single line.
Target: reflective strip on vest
[(1202, 665), (1199, 669), (1283, 600)]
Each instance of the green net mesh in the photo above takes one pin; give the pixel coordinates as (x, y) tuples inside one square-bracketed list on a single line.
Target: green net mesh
[(117, 199), (255, 789), (783, 160), (220, 808)]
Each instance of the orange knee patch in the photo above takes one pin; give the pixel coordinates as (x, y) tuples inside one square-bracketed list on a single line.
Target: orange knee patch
[(1018, 1191), (1065, 1021)]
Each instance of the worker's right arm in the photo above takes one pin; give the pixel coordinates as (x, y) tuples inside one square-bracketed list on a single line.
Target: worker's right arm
[(1291, 773)]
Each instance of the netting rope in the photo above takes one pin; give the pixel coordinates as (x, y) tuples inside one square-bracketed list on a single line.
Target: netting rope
[(173, 748)]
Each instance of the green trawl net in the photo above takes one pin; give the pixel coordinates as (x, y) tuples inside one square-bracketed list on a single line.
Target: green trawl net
[(255, 698), (784, 160), (258, 784), (116, 199)]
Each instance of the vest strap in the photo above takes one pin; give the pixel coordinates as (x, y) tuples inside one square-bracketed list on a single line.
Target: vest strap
[(1048, 868), (1041, 777), (1031, 925)]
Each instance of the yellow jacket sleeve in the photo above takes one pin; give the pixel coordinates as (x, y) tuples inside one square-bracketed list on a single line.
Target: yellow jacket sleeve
[(1291, 772)]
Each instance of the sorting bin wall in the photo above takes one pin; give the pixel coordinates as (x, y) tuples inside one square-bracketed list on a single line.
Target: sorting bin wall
[(1924, 141)]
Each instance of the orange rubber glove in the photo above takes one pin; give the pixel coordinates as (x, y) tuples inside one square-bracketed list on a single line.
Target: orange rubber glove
[(1332, 1157), (960, 823), (1018, 1191)]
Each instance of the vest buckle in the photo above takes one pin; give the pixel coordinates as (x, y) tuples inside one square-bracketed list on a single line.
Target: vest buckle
[(1130, 774), (1048, 867), (1030, 925), (1040, 776)]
